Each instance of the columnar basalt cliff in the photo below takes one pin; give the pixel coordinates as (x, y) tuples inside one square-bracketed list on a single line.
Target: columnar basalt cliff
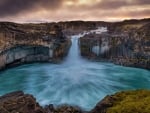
[(26, 43), (126, 43)]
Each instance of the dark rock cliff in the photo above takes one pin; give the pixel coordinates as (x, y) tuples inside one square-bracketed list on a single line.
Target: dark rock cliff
[(126, 43), (76, 27), (26, 43)]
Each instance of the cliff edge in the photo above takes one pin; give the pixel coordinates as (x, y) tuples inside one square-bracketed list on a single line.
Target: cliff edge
[(26, 43)]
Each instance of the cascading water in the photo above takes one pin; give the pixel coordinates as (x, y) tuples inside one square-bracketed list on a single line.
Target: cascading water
[(76, 81)]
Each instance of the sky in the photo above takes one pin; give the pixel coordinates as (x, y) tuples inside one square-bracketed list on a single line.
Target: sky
[(69, 10)]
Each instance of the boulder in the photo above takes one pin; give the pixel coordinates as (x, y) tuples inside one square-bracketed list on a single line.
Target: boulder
[(137, 101), (18, 102)]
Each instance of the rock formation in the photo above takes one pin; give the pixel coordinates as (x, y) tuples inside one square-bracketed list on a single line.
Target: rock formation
[(18, 102), (25, 43), (77, 27), (123, 102), (126, 43)]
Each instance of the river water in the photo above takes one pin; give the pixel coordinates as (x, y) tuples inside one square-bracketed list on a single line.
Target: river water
[(75, 81)]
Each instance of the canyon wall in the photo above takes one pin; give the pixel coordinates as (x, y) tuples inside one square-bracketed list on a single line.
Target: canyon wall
[(24, 54), (77, 27), (26, 43), (126, 44)]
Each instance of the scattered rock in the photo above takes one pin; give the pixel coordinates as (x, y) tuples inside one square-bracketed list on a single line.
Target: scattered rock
[(63, 109)]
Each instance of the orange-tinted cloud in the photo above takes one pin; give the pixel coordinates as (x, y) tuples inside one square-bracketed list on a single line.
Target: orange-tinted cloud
[(65, 10)]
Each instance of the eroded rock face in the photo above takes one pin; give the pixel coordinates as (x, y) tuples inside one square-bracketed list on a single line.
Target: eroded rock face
[(77, 27), (26, 43), (103, 105), (126, 44), (18, 102), (23, 54), (63, 109), (137, 101)]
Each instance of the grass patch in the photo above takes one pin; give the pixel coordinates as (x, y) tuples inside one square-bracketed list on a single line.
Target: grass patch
[(131, 102)]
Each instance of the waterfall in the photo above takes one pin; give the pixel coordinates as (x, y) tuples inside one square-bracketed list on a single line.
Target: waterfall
[(74, 56), (75, 81)]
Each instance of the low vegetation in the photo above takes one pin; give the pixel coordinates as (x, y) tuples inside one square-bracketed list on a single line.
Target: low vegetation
[(131, 102)]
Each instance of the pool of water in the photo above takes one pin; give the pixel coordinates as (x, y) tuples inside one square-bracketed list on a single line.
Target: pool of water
[(75, 81)]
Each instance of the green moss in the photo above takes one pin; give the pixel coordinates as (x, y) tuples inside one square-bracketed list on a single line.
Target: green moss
[(131, 102)]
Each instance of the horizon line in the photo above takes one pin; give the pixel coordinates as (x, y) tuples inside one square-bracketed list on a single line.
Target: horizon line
[(77, 20)]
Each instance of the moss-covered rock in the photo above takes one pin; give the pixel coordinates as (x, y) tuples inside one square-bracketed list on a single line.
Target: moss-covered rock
[(125, 102), (131, 102)]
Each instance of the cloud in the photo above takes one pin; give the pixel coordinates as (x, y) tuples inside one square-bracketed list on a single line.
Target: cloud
[(65, 10), (141, 2), (13, 7), (111, 4), (117, 4)]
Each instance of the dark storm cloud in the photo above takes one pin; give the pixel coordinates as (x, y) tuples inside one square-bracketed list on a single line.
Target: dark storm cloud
[(111, 4), (61, 10), (116, 4), (142, 2), (12, 7)]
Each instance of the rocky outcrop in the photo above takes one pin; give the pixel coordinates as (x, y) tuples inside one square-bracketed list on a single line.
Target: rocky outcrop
[(125, 102), (137, 101), (77, 27), (18, 102), (24, 54), (127, 45), (26, 43), (62, 109)]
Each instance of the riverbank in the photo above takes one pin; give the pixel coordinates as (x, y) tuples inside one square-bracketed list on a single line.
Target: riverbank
[(137, 101)]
